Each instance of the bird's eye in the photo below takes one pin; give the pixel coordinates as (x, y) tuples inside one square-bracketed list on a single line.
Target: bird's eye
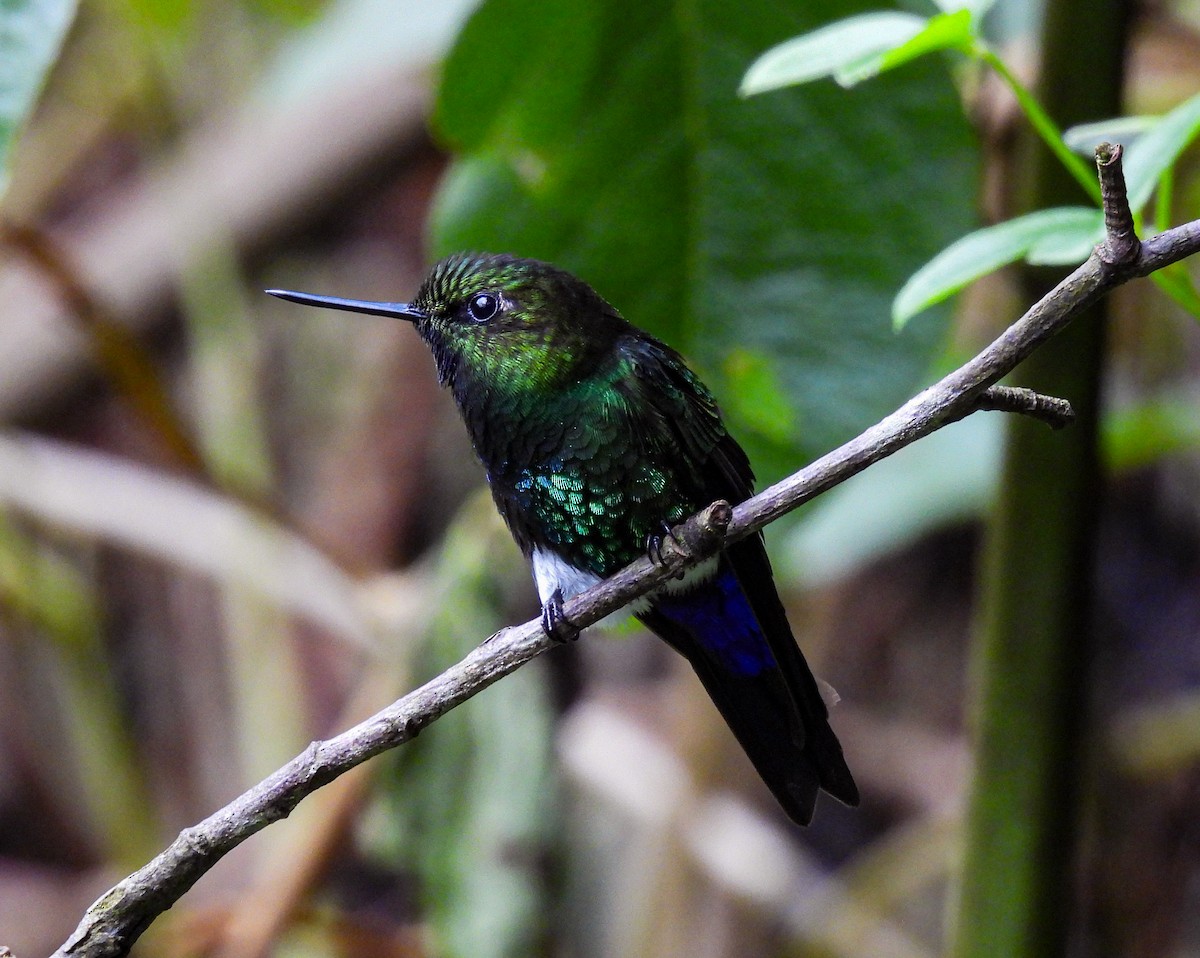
[(483, 306)]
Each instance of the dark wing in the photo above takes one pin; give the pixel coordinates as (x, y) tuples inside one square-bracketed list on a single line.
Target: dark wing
[(778, 716), (681, 419)]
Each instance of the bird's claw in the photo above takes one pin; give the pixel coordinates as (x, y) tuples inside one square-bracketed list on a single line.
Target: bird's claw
[(654, 543), (555, 624)]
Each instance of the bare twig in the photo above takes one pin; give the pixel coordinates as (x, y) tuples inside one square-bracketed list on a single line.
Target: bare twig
[(1054, 412), (1121, 246), (115, 921)]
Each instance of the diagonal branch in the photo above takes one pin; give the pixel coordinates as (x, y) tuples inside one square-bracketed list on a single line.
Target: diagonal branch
[(117, 919)]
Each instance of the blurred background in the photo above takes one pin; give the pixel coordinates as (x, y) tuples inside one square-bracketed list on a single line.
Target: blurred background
[(230, 525)]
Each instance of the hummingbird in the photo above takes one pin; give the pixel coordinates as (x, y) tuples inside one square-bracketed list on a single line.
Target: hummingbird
[(596, 439)]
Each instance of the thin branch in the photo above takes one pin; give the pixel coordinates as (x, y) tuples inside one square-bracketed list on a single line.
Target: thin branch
[(1121, 246), (1054, 412), (114, 922)]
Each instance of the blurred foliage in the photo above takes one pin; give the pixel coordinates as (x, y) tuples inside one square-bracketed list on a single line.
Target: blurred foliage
[(763, 238), (863, 47), (946, 479), (166, 638), (31, 32), (1023, 834), (470, 805), (56, 611), (227, 370)]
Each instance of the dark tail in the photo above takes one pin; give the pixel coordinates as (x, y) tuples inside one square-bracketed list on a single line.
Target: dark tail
[(733, 630)]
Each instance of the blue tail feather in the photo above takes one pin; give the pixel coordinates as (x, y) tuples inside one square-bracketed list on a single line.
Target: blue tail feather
[(732, 628), (718, 616)]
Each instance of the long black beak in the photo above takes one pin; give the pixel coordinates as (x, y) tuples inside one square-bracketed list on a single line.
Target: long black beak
[(395, 310)]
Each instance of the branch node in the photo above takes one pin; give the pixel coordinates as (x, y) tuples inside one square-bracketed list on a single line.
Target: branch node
[(1054, 412), (312, 759), (196, 840), (412, 727), (704, 533), (1121, 246)]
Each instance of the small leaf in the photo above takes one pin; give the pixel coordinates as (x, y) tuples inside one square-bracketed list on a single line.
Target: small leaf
[(977, 7), (829, 50), (1084, 138), (946, 31), (1071, 243), (31, 32), (985, 251), (1155, 152)]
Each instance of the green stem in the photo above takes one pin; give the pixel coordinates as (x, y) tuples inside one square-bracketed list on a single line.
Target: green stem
[(1035, 640), (1046, 128), (1030, 671)]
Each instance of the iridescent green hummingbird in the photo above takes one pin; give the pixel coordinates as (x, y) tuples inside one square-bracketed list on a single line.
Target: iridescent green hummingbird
[(597, 438)]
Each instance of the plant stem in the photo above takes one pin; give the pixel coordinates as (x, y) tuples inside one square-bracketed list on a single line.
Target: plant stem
[(1035, 641), (1046, 128)]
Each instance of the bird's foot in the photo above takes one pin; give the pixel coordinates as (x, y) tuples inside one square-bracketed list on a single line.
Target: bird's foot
[(654, 544), (556, 625)]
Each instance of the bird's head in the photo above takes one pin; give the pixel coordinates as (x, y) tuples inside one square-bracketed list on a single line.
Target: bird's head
[(507, 321)]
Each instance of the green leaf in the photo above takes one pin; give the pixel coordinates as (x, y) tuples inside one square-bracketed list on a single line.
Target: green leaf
[(777, 225), (1071, 242), (977, 7), (946, 31), (1150, 156), (1049, 232), (1085, 137), (830, 51), (162, 20), (31, 32)]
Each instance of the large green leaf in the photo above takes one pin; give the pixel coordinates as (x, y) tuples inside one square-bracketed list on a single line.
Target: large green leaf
[(831, 50), (1152, 144), (1083, 138), (1056, 236), (766, 234), (31, 32), (946, 31), (1151, 155)]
